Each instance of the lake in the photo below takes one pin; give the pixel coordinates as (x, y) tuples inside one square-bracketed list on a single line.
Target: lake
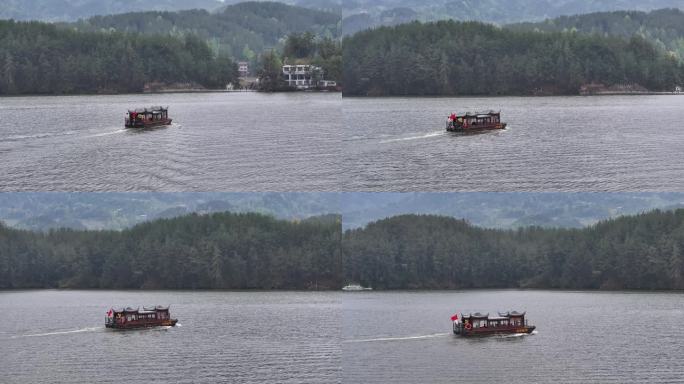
[(603, 143), (51, 336), (581, 337), (331, 337), (217, 142)]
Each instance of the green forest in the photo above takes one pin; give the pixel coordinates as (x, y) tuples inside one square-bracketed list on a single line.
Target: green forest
[(471, 58), (254, 251), (39, 58), (218, 251), (301, 48), (663, 27), (364, 14), (241, 31), (435, 252)]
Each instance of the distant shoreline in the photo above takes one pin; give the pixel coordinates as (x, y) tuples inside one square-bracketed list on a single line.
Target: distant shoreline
[(158, 93), (509, 96), (406, 290)]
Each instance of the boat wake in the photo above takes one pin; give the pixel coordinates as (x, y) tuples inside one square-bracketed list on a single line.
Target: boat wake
[(422, 337), (107, 133), (88, 329), (38, 136), (515, 335), (425, 136)]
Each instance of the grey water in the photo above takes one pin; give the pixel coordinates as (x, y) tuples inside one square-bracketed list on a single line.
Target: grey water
[(606, 143), (581, 337), (329, 337), (51, 336), (217, 142)]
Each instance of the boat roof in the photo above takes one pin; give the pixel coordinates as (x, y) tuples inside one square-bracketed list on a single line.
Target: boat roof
[(145, 309), (479, 114), (152, 109), (502, 315)]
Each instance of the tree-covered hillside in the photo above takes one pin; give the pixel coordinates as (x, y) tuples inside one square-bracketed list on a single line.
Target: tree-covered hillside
[(38, 58), (41, 211), (364, 14), (252, 251), (241, 31), (637, 252), (663, 27), (72, 10), (455, 58), (222, 250)]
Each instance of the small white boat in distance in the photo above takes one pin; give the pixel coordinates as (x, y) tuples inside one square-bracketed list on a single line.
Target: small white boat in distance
[(355, 287)]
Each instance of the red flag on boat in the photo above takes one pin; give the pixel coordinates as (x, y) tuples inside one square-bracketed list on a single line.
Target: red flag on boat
[(109, 313), (454, 317)]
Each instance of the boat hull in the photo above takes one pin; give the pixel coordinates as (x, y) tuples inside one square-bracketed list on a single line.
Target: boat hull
[(148, 124), (474, 332), (143, 324), (475, 128)]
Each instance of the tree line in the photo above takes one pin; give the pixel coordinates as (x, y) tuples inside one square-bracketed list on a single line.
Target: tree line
[(241, 31), (217, 251), (301, 48), (39, 58), (663, 27), (430, 252), (253, 251), (471, 58)]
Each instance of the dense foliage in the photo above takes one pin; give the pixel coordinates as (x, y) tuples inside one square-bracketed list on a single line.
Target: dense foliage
[(71, 10), (241, 31), (663, 27), (453, 58), (301, 48), (637, 252), (37, 58), (221, 250), (363, 14), (229, 250)]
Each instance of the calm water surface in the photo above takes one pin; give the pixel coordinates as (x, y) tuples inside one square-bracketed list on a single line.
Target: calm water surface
[(217, 142), (616, 143), (252, 337), (581, 337)]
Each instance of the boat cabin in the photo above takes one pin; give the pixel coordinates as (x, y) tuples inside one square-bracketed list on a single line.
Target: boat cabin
[(135, 318), (507, 319), (483, 324), (475, 121), (147, 117)]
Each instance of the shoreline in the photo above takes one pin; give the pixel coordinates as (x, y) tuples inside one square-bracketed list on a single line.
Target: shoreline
[(508, 96), (184, 91), (407, 290)]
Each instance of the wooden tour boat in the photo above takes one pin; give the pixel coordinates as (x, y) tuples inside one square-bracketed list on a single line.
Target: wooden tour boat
[(472, 122), (147, 117), (129, 318), (478, 324)]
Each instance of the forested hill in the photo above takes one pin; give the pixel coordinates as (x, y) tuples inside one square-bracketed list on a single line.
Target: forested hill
[(240, 31), (455, 58), (663, 27), (222, 250), (71, 10), (246, 251), (38, 58), (637, 252), (364, 14)]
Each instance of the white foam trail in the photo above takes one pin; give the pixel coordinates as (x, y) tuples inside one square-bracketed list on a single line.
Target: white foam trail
[(180, 325), (89, 329), (107, 133), (38, 136), (425, 136), (422, 337), (518, 335)]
